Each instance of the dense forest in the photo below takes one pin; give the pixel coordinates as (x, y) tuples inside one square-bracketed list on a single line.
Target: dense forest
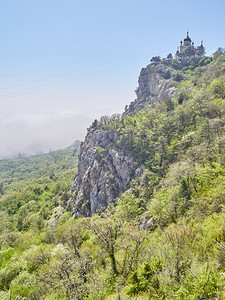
[(164, 238)]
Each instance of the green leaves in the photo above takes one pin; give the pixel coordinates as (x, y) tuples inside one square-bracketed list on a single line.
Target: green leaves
[(217, 86)]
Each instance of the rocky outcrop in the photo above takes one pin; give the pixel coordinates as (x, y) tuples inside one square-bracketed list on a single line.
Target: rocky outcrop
[(104, 172), (156, 83)]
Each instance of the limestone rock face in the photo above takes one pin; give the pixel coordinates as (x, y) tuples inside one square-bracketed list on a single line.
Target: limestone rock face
[(156, 83), (104, 172)]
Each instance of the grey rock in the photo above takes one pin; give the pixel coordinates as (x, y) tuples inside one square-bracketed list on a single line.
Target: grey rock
[(157, 82), (104, 170), (100, 179)]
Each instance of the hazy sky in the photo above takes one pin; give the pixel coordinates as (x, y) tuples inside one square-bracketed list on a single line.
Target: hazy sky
[(64, 63)]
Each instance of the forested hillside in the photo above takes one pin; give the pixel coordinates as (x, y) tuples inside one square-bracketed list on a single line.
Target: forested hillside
[(163, 238)]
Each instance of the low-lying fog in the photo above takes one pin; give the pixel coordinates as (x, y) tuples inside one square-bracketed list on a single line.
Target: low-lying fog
[(37, 133)]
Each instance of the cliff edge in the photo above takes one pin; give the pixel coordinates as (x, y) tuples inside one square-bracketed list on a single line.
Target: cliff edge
[(104, 169)]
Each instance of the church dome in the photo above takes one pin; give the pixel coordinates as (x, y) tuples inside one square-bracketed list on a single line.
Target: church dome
[(187, 39)]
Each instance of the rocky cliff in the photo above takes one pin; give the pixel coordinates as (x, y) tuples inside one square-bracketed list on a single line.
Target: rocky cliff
[(105, 170), (157, 82)]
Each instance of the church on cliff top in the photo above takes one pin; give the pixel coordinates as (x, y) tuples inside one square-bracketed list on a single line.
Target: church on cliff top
[(188, 49)]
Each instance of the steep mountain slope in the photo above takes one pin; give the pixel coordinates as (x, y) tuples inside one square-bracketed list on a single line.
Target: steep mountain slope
[(105, 170), (164, 238), (118, 149)]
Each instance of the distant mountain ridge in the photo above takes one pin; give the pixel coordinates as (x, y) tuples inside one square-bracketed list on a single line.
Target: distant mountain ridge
[(35, 166), (73, 146)]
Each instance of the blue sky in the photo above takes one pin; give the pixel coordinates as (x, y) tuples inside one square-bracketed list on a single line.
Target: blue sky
[(64, 63)]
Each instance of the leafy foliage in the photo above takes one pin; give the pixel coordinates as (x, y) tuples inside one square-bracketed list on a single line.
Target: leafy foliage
[(165, 238)]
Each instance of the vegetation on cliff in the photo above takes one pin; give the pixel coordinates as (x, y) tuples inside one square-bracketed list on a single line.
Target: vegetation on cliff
[(165, 238)]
